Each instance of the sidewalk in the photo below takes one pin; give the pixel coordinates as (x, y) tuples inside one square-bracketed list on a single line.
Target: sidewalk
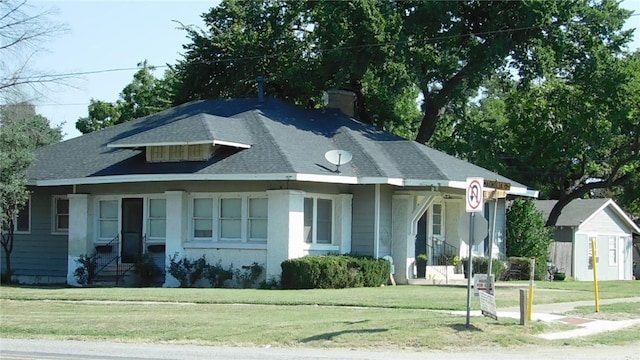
[(556, 313)]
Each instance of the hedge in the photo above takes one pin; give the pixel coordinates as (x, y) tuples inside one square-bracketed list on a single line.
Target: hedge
[(520, 269), (334, 272), (481, 266)]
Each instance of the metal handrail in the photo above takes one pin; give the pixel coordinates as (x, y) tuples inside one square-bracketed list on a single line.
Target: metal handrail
[(442, 254), (102, 262)]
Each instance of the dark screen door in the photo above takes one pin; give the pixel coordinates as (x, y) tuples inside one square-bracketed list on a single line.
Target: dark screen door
[(131, 229)]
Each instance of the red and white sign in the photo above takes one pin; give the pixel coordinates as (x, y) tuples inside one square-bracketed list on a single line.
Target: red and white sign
[(475, 194)]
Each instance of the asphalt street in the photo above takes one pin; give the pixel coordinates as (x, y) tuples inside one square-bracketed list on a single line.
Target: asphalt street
[(20, 349)]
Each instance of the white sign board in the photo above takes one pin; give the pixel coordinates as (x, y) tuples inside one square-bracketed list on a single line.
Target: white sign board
[(474, 195), (488, 305), (481, 284)]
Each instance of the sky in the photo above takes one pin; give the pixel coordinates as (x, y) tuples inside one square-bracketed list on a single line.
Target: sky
[(107, 35)]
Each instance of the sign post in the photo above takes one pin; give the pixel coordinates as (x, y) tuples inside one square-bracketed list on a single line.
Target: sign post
[(594, 256), (473, 204), (499, 192)]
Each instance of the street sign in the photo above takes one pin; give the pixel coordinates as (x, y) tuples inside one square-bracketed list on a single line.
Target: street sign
[(480, 229), (474, 195), (498, 185)]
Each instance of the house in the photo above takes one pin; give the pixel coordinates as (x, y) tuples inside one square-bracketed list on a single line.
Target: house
[(585, 220), (244, 181)]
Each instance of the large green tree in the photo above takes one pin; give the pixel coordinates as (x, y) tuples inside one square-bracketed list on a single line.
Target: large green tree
[(388, 52), (21, 131), (572, 135), (145, 95)]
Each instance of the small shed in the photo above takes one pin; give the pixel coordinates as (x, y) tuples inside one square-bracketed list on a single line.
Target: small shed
[(582, 221)]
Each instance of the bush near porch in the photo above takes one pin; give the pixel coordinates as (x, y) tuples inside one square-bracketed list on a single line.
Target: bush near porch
[(481, 266), (334, 272)]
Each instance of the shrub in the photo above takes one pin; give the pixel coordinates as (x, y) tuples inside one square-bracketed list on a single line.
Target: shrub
[(527, 236), (186, 271), (217, 275), (85, 273), (519, 269), (333, 272), (481, 266), (146, 269), (249, 275)]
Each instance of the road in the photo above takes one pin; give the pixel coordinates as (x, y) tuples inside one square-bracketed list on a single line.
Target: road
[(20, 349)]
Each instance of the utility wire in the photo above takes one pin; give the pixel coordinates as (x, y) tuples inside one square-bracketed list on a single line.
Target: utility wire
[(269, 56)]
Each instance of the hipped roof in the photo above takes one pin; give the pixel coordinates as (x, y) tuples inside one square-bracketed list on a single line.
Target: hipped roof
[(261, 140)]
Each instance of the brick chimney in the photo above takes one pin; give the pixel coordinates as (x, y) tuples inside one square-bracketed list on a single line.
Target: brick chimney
[(342, 100)]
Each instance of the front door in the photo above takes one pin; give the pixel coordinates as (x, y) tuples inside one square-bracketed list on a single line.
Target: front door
[(131, 229), (421, 246)]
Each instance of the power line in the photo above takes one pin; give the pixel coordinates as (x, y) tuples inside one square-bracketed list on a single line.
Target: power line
[(270, 56)]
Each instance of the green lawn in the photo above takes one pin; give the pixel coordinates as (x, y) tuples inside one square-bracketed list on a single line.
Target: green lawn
[(390, 317)]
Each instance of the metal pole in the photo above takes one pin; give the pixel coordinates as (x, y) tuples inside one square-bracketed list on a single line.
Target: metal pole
[(594, 261), (469, 267), (532, 268), (492, 239)]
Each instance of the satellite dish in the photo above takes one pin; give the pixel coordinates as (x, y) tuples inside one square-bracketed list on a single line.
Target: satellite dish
[(338, 157)]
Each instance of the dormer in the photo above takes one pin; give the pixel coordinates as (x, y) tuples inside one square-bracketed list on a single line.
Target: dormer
[(177, 152), (193, 138)]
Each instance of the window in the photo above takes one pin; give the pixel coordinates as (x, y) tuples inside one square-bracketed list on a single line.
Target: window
[(157, 218), (203, 218), (258, 208), (239, 218), (230, 219), (613, 250), (22, 223), (60, 214), (437, 221), (108, 219), (318, 220)]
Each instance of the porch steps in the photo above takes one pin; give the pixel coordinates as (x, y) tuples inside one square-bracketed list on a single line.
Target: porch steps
[(440, 275), (113, 274)]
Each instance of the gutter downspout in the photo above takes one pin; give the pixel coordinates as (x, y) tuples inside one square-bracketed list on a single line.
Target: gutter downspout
[(376, 223)]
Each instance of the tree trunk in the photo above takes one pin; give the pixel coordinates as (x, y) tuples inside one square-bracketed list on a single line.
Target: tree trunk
[(7, 245)]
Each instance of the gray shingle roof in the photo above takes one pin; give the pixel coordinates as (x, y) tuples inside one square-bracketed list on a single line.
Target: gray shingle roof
[(574, 213), (284, 139)]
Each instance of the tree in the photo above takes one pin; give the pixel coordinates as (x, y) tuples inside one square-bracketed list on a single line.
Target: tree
[(570, 136), (145, 95), (526, 234), (21, 131), (22, 33), (444, 50)]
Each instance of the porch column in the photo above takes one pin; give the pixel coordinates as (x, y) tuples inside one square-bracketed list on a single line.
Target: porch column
[(402, 249), (286, 228), (80, 240), (343, 221), (176, 230)]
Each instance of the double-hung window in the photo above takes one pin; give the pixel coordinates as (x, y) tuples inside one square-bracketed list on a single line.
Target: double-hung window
[(230, 218), (22, 222), (613, 250), (203, 218), (318, 220), (157, 219), (107, 219), (60, 214), (258, 219)]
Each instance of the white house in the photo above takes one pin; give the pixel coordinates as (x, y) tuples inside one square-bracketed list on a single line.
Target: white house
[(243, 181), (583, 221)]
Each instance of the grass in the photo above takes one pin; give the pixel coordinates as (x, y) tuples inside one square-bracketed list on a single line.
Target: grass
[(391, 317), (258, 325)]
